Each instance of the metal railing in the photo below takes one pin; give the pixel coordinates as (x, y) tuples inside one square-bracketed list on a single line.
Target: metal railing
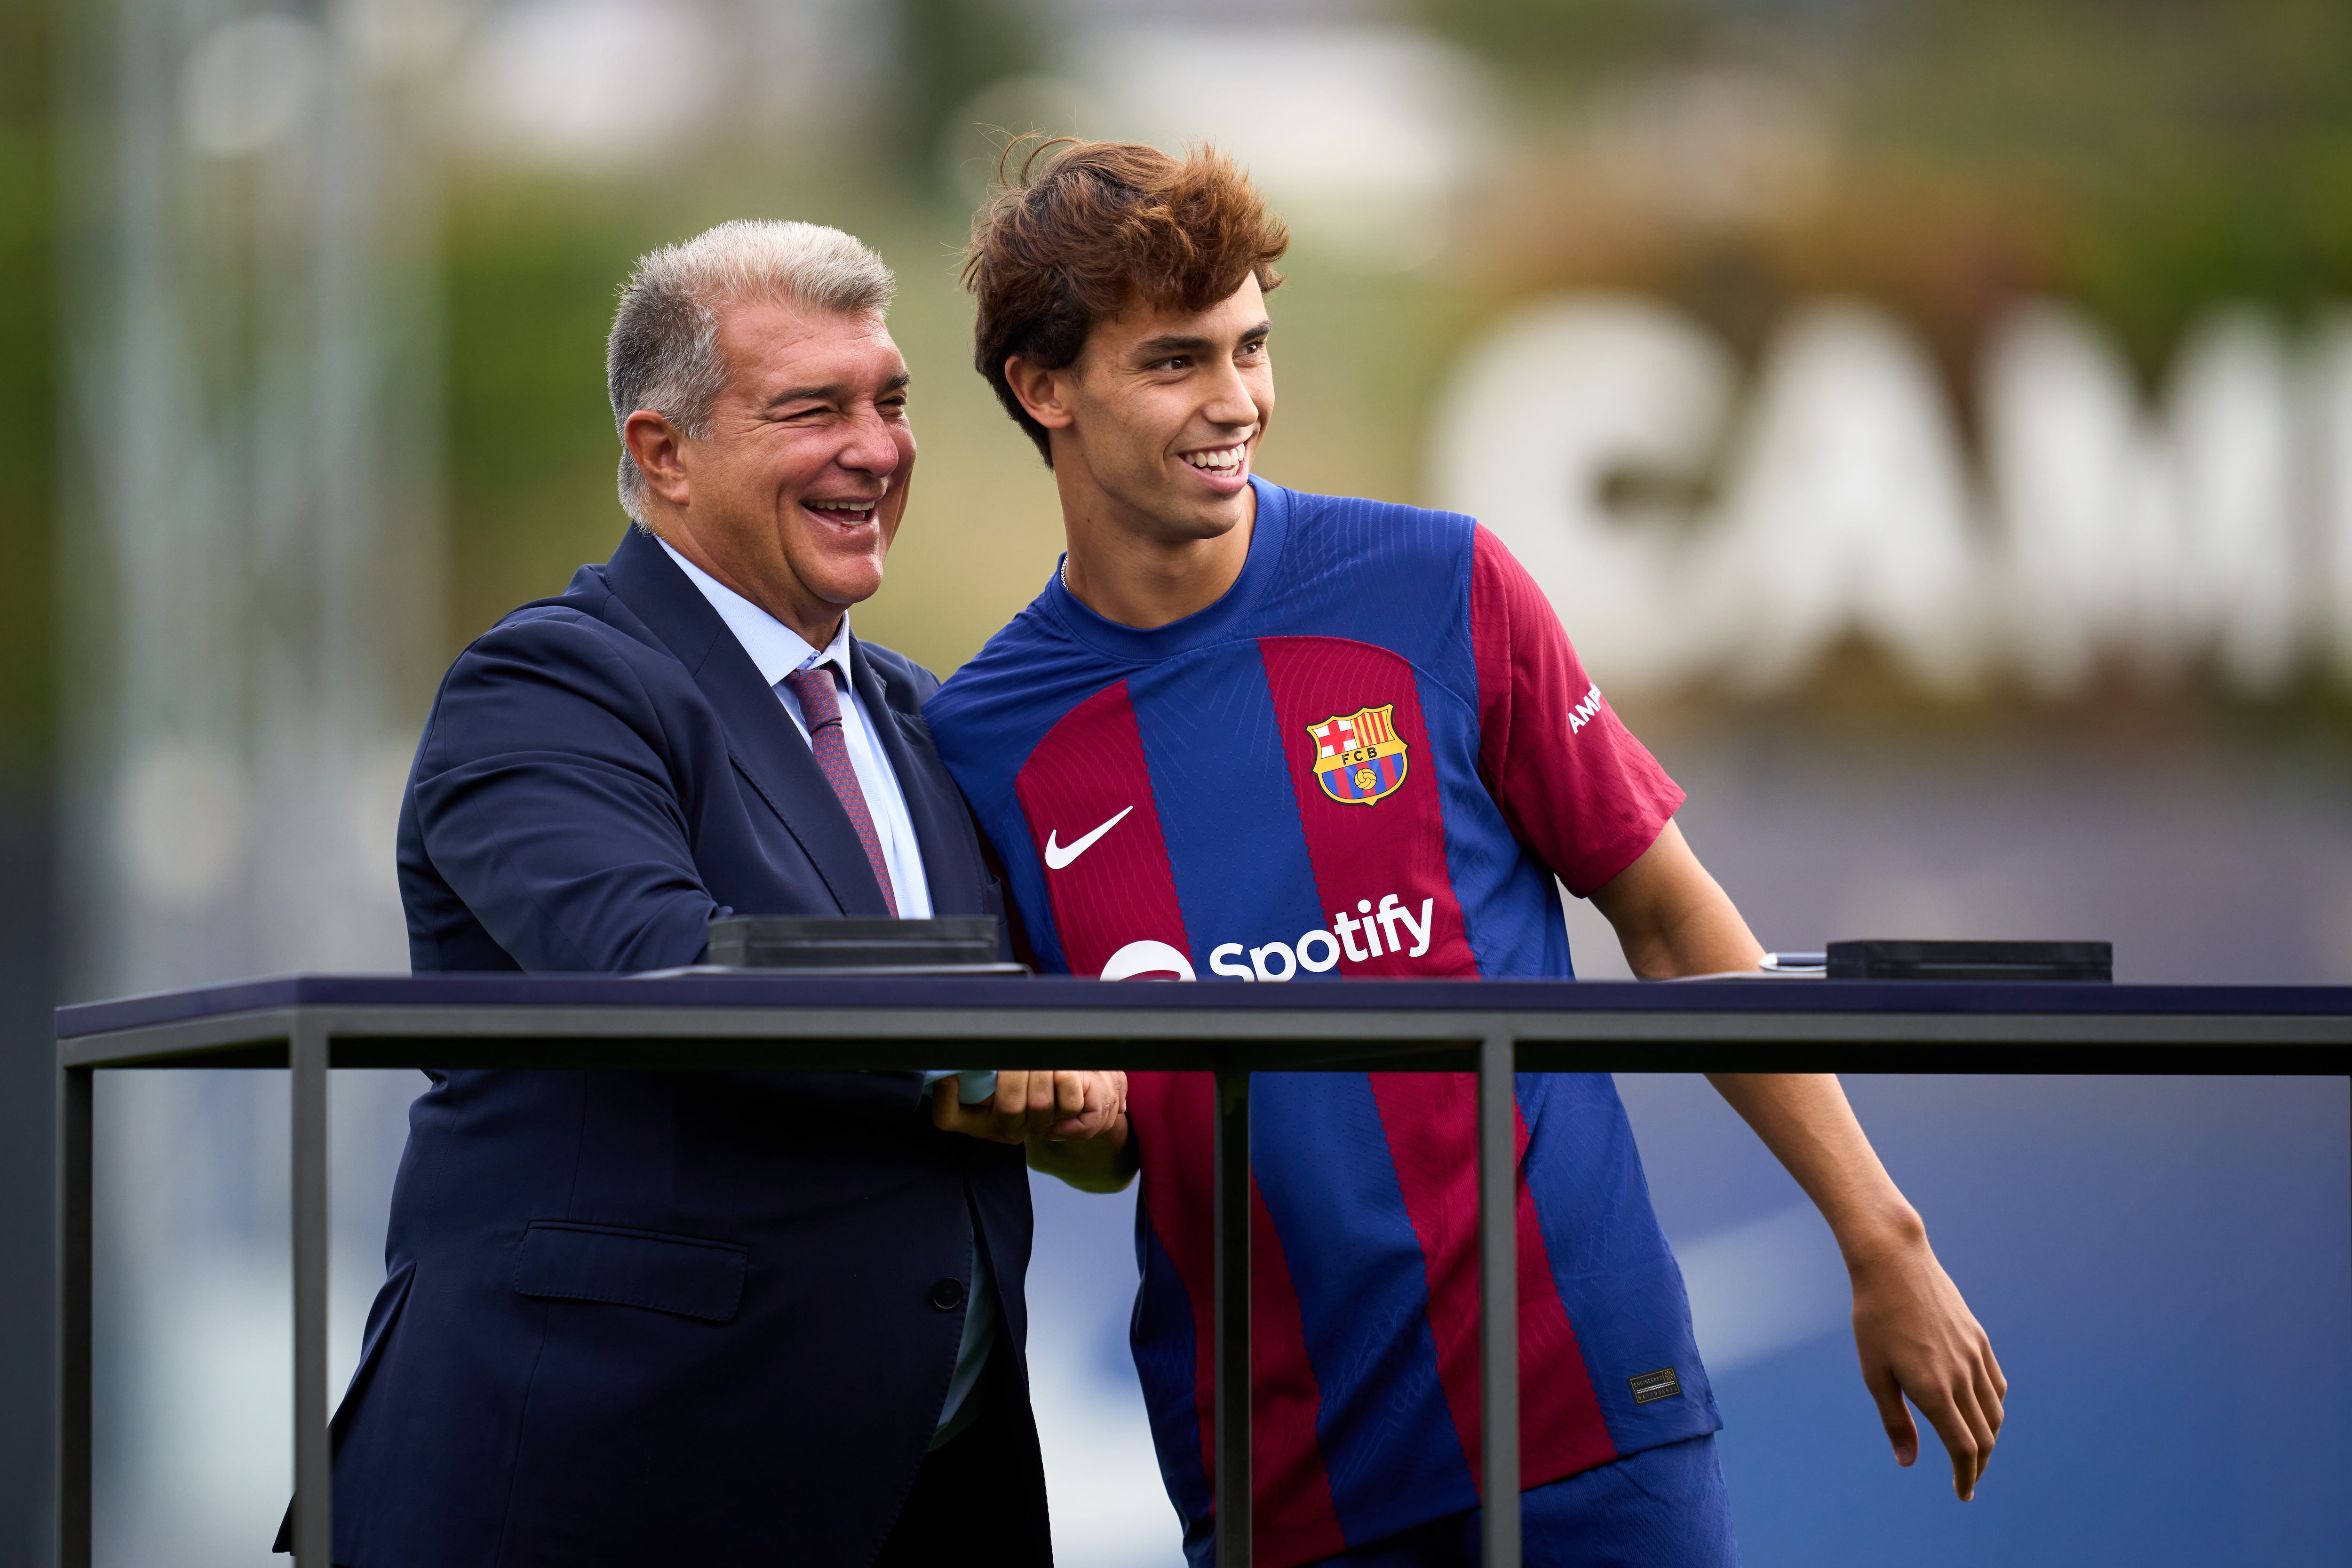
[(311, 1024)]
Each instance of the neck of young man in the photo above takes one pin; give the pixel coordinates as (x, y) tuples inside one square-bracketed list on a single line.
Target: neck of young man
[(1141, 571)]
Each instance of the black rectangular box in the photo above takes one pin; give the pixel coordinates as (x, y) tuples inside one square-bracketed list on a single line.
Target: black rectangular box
[(808, 942), (2093, 961)]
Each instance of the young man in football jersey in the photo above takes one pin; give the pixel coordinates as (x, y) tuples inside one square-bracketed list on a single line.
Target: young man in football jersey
[(1251, 732)]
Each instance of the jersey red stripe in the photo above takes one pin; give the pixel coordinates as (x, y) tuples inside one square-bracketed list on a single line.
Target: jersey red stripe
[(1364, 852), (1562, 1428), (1430, 1121), (1119, 889), (1296, 1519), (1175, 1112)]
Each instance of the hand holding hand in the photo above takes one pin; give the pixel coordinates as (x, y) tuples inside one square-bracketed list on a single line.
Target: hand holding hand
[(1035, 1103), (1917, 1337)]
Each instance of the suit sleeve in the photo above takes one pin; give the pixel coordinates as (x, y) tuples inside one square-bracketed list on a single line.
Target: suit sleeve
[(1571, 780), (545, 797)]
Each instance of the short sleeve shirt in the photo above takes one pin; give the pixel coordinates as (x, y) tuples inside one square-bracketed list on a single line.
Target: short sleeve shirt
[(1371, 756)]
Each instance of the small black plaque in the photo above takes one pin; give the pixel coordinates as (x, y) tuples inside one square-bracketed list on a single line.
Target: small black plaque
[(811, 941), (1649, 1386)]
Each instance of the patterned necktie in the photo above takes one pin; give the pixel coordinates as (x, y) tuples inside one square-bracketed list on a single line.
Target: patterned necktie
[(821, 711)]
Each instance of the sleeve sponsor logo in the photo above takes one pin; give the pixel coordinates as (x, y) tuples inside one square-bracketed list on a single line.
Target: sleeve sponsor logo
[(1586, 711), (1359, 759)]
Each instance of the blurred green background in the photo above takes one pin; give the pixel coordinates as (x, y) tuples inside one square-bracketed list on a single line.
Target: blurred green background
[(2145, 161), (2144, 158)]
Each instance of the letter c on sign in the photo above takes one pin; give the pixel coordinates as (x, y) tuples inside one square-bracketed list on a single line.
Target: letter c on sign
[(1147, 960)]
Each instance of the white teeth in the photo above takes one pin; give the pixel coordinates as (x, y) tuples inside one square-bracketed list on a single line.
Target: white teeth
[(1221, 461)]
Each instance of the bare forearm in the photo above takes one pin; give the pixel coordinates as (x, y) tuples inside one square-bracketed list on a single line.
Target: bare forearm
[(1804, 1120), (1102, 1164), (1912, 1331)]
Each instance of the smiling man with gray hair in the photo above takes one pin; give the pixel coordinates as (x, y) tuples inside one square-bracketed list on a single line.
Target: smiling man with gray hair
[(727, 1318)]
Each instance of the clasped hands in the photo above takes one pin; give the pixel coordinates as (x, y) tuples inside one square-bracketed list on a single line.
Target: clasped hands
[(1059, 1107)]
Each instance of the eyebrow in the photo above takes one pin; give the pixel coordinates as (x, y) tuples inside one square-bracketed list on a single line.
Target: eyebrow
[(832, 392), (1157, 348)]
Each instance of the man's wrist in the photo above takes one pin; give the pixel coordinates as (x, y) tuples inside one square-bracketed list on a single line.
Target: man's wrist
[(1879, 1232)]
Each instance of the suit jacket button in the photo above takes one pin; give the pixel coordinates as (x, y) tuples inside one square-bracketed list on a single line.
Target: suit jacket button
[(948, 1295)]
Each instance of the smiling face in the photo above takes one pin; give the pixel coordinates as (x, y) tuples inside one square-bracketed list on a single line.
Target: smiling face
[(793, 497), (1160, 417)]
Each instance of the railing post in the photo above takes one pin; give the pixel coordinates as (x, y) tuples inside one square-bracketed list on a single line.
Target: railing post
[(313, 1481), (75, 1092), (1231, 1210), (1498, 1300)]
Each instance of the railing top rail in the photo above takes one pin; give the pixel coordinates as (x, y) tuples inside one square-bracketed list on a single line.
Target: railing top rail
[(969, 994)]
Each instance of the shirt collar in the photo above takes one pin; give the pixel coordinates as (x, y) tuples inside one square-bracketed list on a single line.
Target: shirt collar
[(775, 648)]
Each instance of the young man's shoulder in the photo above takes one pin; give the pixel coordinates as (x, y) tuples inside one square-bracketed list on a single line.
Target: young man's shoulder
[(1358, 537), (1009, 686)]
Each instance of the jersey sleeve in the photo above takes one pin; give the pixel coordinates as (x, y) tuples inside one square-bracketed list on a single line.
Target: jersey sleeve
[(1571, 780)]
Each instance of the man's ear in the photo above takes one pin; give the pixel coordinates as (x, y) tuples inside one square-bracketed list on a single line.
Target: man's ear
[(1042, 393), (660, 452)]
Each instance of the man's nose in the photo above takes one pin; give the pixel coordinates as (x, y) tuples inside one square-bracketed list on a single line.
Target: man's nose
[(871, 448), (1230, 402)]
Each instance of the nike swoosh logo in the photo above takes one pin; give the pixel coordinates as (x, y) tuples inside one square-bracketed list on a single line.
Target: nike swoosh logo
[(1060, 855)]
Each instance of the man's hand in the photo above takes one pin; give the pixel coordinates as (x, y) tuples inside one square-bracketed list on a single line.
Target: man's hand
[(1916, 1336), (1913, 1333), (1032, 1103)]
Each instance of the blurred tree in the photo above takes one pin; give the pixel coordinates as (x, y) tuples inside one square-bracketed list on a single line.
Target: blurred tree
[(2147, 156), (949, 50), (27, 383)]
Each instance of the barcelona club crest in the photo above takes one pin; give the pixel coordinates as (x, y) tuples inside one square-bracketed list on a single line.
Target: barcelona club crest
[(1358, 761)]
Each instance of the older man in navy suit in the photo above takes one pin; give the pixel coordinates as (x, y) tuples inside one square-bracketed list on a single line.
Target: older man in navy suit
[(724, 1318)]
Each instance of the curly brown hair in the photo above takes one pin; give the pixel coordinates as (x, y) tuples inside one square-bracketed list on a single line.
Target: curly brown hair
[(1099, 226)]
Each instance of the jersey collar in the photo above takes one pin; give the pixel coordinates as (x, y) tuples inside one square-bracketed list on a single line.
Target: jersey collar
[(1269, 531)]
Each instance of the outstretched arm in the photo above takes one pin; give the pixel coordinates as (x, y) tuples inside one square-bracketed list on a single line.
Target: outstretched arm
[(1914, 1334)]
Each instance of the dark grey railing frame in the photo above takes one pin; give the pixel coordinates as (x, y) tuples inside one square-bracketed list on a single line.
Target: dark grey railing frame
[(312, 1025)]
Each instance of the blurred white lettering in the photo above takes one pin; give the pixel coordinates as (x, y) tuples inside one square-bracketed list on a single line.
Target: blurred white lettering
[(1687, 538)]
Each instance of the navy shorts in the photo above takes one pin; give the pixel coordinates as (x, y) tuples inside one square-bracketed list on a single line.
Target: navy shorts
[(1662, 1508)]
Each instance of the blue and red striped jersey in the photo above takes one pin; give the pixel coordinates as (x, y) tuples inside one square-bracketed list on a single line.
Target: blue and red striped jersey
[(1371, 757)]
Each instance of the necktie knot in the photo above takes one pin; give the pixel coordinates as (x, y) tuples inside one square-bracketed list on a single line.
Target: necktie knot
[(814, 690)]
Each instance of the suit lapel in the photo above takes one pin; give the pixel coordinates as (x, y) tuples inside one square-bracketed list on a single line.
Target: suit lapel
[(761, 739), (942, 827)]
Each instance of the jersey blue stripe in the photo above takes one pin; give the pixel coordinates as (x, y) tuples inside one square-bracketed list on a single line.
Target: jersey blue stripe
[(1384, 1428), (1215, 754), (1163, 1334), (1609, 1261), (1510, 906)]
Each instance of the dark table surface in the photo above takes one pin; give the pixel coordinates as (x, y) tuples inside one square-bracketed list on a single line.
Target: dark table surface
[(775, 990)]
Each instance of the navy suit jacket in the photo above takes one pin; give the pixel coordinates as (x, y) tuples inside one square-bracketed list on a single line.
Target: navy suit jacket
[(642, 1317)]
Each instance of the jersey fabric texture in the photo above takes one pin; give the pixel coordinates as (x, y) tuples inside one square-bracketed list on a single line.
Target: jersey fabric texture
[(1369, 757), (1662, 1508)]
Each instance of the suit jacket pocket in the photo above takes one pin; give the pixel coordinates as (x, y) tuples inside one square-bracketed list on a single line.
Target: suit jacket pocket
[(677, 1274)]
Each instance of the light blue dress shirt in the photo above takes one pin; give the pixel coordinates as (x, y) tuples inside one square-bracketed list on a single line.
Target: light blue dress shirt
[(778, 651)]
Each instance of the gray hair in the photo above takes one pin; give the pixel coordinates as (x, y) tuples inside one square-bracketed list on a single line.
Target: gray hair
[(664, 350)]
